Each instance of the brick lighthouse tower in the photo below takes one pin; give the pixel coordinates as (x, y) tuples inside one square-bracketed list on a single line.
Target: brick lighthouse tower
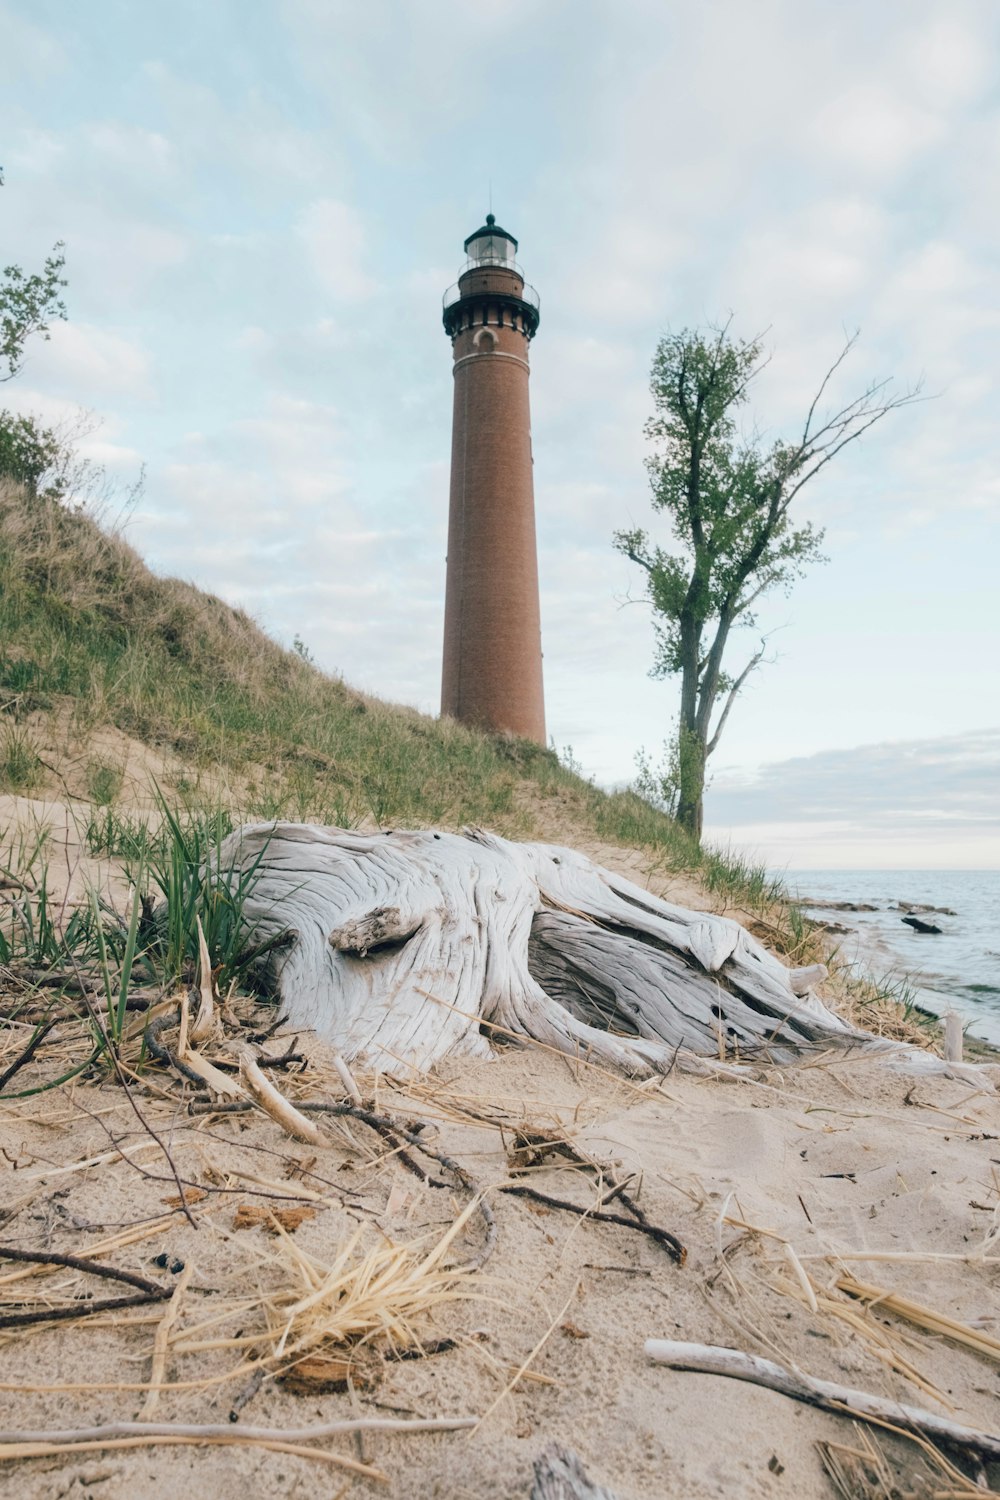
[(492, 674)]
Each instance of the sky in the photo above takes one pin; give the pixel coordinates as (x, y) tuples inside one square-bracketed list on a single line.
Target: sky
[(263, 203)]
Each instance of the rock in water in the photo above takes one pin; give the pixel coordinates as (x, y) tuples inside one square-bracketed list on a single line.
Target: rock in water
[(921, 924), (916, 908), (837, 905)]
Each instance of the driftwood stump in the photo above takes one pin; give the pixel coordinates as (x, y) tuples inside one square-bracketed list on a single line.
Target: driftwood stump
[(559, 1475), (406, 948)]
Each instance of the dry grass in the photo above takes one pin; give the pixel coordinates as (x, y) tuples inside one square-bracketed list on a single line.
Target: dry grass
[(389, 1293), (881, 1299), (89, 632), (862, 1471)]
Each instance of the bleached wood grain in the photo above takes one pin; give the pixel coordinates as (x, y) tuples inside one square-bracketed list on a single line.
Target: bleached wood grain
[(405, 942)]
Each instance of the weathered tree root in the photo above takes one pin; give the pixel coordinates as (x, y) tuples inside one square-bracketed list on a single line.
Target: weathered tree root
[(410, 946), (559, 1475)]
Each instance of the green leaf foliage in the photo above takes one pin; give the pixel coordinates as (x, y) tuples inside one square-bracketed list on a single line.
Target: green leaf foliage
[(29, 301), (724, 495), (31, 455)]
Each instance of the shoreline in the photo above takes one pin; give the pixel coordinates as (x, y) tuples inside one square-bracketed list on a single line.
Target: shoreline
[(957, 968)]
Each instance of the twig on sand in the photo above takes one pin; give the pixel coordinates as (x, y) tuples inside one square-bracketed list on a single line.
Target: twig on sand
[(275, 1104), (162, 1053), (149, 1291), (42, 1444), (112, 1051), (38, 1036), (395, 1133), (246, 1393), (709, 1359), (346, 1078), (670, 1243), (284, 1059), (81, 1263)]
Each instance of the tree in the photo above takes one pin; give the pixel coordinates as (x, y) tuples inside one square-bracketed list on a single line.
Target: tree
[(31, 455), (728, 496), (28, 303), (46, 460)]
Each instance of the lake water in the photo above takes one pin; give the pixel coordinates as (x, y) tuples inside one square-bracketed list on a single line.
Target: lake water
[(957, 969)]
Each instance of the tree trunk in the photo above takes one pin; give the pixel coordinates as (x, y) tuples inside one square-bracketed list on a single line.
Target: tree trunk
[(412, 947), (691, 755)]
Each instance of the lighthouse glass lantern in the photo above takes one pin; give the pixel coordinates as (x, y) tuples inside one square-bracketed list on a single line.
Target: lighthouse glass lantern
[(491, 245)]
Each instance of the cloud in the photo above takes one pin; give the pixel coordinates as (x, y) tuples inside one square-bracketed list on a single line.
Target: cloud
[(409, 73), (270, 507), (29, 50), (873, 131), (940, 795), (946, 61), (334, 239), (83, 357), (250, 133), (130, 149), (266, 208)]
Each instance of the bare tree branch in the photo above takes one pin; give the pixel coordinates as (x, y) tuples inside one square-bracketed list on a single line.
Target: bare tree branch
[(848, 346), (732, 695), (850, 437)]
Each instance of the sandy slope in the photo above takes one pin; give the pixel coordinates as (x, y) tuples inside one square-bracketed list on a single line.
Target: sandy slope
[(833, 1159), (922, 1178)]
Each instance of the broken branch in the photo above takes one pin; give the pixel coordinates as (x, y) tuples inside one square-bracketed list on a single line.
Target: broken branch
[(709, 1359)]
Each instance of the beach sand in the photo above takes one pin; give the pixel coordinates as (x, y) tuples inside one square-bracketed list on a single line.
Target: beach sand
[(836, 1160)]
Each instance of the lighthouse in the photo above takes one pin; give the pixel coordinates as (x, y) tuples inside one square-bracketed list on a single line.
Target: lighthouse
[(492, 672)]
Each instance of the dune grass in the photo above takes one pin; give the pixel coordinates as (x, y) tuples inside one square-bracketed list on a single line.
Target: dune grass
[(85, 625), (21, 768), (87, 630), (92, 640), (89, 633)]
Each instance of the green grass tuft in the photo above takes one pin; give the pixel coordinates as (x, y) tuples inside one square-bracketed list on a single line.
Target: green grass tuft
[(104, 782), (21, 769)]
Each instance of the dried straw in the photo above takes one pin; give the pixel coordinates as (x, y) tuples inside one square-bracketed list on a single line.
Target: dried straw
[(390, 1292), (161, 1342), (921, 1316)]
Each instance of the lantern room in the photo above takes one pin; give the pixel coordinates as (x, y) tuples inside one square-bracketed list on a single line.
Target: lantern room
[(491, 246)]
